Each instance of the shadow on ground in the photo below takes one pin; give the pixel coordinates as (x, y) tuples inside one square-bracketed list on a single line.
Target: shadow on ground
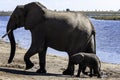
[(20, 72)]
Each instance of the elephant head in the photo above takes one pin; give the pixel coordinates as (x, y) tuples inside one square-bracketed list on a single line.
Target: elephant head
[(23, 16), (77, 58)]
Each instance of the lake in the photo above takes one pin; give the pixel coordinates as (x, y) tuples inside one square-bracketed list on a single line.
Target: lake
[(107, 39)]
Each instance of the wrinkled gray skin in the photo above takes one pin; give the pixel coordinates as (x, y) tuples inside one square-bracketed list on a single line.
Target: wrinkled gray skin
[(63, 31), (87, 60)]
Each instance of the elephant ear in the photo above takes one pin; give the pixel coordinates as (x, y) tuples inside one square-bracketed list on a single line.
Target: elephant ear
[(19, 15), (34, 15), (80, 57)]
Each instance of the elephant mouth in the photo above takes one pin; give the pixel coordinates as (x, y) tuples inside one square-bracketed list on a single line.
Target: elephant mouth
[(6, 33)]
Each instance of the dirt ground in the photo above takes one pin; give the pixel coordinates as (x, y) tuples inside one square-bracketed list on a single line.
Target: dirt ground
[(55, 66)]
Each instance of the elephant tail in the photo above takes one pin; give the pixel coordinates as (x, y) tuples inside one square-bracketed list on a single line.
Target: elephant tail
[(89, 39), (94, 34)]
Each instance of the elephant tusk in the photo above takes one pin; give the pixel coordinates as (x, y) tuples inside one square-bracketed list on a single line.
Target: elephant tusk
[(6, 33)]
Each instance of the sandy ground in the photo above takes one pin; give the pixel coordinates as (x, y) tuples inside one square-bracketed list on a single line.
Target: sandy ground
[(55, 66)]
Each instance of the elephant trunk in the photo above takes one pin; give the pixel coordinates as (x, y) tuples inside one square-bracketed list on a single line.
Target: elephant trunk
[(11, 39)]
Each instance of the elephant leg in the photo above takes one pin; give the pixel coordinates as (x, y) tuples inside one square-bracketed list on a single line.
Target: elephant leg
[(97, 72), (42, 62), (70, 68), (27, 56), (79, 70), (91, 72), (83, 70)]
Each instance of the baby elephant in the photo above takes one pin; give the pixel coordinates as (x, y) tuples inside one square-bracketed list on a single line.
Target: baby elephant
[(87, 60)]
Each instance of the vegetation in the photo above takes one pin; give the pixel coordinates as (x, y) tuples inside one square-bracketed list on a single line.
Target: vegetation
[(113, 17), (102, 15), (5, 13)]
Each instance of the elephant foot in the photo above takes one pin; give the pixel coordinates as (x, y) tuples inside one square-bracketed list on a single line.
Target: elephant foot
[(91, 75), (68, 72), (99, 76), (86, 73), (41, 71), (28, 66), (77, 75)]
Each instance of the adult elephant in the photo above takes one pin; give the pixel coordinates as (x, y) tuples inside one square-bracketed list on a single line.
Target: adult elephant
[(64, 31)]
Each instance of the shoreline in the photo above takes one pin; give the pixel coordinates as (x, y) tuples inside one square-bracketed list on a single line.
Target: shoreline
[(107, 17), (5, 13), (55, 65), (100, 15)]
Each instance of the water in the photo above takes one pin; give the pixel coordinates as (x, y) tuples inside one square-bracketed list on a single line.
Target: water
[(107, 39)]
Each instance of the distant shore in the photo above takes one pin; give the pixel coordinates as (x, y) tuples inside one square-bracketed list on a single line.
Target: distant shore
[(102, 15), (5, 13)]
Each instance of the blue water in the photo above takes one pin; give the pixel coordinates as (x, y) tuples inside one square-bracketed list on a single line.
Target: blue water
[(107, 39)]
